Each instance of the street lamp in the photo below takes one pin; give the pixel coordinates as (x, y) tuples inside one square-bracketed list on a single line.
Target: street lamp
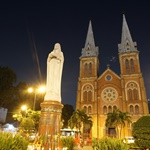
[(23, 110), (23, 107), (40, 89)]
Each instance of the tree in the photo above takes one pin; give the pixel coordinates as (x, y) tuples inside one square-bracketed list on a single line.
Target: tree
[(76, 119), (35, 116), (28, 120), (87, 125), (7, 90), (22, 96), (27, 124), (7, 79), (117, 119), (80, 119), (67, 112), (11, 96), (72, 122), (141, 132)]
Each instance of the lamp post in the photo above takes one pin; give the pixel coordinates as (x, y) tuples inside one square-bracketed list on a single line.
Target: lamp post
[(40, 89)]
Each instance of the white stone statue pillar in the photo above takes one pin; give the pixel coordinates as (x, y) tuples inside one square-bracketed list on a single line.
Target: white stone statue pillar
[(55, 62), (51, 107)]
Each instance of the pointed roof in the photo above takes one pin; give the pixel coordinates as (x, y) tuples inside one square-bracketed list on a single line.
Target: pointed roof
[(89, 48), (127, 44), (108, 70), (90, 36)]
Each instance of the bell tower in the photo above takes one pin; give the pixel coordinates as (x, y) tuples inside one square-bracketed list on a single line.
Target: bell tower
[(88, 75), (132, 82)]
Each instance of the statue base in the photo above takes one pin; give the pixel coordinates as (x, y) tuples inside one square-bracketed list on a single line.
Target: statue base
[(49, 125)]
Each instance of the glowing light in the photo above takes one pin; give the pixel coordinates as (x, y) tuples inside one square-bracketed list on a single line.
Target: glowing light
[(40, 89), (24, 107), (30, 90)]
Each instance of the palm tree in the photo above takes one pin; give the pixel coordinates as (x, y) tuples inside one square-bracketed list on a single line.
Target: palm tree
[(118, 120), (76, 119), (80, 114), (80, 119), (72, 122), (87, 124), (125, 118)]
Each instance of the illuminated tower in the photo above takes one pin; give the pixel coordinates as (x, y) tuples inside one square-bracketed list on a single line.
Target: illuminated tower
[(133, 88), (87, 82), (101, 94)]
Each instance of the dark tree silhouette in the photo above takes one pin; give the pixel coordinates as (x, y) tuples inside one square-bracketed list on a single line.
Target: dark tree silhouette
[(67, 112)]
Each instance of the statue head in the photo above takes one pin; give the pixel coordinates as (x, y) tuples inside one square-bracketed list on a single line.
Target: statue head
[(57, 47)]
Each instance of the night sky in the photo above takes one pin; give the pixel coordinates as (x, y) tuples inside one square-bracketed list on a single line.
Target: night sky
[(28, 28)]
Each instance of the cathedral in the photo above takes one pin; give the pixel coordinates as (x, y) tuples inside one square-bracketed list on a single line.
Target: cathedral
[(101, 94)]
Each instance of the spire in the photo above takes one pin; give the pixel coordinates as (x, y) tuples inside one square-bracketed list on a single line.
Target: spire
[(127, 44), (89, 48)]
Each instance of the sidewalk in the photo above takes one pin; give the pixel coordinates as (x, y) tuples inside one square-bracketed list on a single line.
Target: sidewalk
[(31, 147)]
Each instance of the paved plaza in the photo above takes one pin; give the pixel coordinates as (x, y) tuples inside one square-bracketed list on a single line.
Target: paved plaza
[(83, 148)]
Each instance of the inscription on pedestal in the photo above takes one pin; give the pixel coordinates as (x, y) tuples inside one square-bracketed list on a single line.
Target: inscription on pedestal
[(47, 109)]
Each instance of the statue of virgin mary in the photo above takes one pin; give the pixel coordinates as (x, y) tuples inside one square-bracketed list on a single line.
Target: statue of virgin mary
[(55, 62)]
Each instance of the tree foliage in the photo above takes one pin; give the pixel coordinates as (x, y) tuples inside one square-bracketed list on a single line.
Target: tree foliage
[(7, 79), (67, 112), (13, 96), (117, 119), (27, 124), (8, 141), (109, 144), (141, 132), (87, 124), (68, 142), (80, 119), (28, 120)]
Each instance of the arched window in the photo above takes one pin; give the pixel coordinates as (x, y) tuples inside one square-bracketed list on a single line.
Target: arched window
[(114, 107), (132, 65), (136, 109), (104, 110), (89, 96), (131, 109), (87, 93), (90, 68), (132, 91), (85, 108), (130, 94), (86, 69), (135, 94), (89, 110), (85, 96), (127, 65), (110, 109)]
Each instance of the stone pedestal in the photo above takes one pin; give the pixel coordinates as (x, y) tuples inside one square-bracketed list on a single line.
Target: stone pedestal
[(49, 125)]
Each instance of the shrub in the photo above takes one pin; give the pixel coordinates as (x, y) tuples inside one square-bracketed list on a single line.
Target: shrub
[(141, 132), (10, 142), (68, 142), (109, 144)]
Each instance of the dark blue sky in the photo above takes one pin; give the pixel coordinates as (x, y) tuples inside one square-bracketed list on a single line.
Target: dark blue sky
[(26, 26)]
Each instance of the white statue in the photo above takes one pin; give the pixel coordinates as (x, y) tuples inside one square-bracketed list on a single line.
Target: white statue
[(55, 62)]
